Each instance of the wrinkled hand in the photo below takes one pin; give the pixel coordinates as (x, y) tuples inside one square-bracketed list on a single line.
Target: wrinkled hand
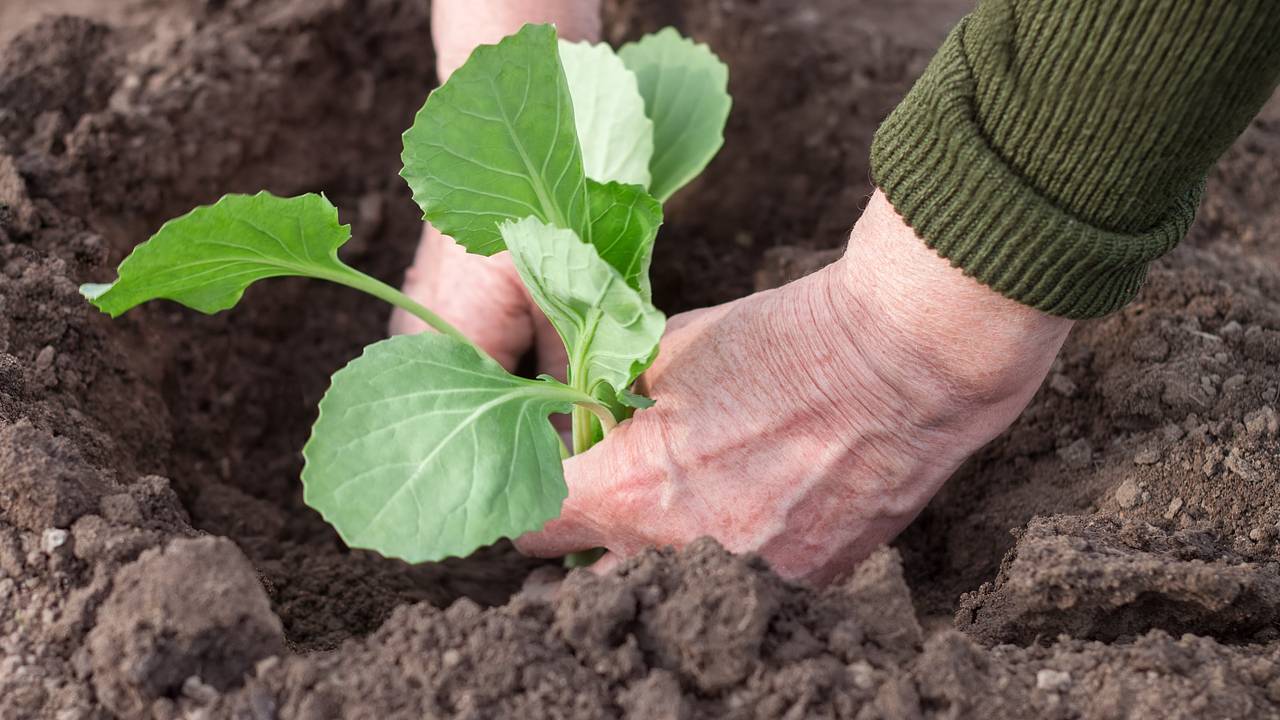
[(811, 423)]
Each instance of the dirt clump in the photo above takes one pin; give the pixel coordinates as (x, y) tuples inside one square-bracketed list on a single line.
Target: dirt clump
[(1108, 579), (46, 483), (200, 632), (699, 633), (657, 640)]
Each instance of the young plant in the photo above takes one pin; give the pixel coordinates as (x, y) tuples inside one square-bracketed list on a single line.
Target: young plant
[(561, 153)]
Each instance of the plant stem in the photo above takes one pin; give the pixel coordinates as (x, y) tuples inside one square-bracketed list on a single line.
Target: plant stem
[(581, 429), (605, 417), (584, 405), (364, 283), (582, 424)]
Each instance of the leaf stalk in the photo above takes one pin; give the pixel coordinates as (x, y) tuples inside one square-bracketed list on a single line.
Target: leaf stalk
[(364, 283)]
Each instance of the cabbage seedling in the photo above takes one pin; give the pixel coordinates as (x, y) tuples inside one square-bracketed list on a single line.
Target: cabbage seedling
[(561, 153)]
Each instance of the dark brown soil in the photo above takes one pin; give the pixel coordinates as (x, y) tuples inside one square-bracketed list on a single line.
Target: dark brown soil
[(1113, 555)]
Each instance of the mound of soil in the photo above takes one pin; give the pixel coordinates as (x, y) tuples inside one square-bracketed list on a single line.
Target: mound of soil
[(1114, 554)]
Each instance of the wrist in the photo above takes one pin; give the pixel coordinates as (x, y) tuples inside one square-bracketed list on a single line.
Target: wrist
[(459, 26), (964, 340)]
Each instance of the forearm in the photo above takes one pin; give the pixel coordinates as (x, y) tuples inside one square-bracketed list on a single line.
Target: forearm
[(458, 26), (1053, 149)]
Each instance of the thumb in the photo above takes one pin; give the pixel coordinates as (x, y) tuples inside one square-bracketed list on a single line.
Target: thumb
[(588, 518)]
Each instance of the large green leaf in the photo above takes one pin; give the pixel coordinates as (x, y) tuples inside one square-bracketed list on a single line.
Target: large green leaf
[(615, 134), (206, 258), (685, 88), (611, 332), (498, 142), (624, 223), (425, 449)]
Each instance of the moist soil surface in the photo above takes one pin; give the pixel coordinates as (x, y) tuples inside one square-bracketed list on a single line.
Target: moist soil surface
[(1113, 555)]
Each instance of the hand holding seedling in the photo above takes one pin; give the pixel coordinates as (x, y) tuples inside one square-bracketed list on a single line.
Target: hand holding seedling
[(811, 423)]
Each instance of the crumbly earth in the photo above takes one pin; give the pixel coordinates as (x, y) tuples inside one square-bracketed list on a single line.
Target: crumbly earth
[(1113, 555)]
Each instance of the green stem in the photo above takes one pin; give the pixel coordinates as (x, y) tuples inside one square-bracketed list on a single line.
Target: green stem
[(582, 413), (607, 421), (364, 283), (581, 429), (584, 405)]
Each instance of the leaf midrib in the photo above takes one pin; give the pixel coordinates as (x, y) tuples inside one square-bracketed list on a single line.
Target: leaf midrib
[(439, 446), (538, 182)]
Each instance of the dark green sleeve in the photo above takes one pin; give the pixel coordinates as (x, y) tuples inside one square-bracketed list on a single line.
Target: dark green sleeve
[(1054, 148)]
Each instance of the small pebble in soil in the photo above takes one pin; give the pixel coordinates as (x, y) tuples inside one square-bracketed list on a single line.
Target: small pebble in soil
[(863, 674), (1147, 456), (196, 689), (52, 539), (1053, 680), (1207, 384), (1077, 455), (1063, 385), (1149, 348), (1263, 422), (1210, 467), (1127, 494), (1241, 466), (1233, 383)]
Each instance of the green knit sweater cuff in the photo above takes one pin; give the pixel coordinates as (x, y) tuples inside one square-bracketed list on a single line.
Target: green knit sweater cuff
[(936, 166)]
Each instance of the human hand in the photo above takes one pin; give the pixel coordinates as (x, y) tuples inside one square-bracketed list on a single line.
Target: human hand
[(458, 26), (811, 423)]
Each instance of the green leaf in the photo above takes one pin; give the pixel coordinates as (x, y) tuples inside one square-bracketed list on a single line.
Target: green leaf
[(685, 88), (611, 332), (634, 401), (624, 224), (615, 134), (425, 449), (206, 258), (497, 142)]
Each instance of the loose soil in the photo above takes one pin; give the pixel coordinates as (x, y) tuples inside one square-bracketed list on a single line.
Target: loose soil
[(1113, 555)]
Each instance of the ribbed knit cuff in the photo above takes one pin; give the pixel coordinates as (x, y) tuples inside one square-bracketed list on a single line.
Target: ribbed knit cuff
[(931, 159)]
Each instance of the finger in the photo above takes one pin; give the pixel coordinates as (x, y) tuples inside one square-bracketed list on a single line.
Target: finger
[(557, 538), (579, 526), (606, 564), (585, 517)]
